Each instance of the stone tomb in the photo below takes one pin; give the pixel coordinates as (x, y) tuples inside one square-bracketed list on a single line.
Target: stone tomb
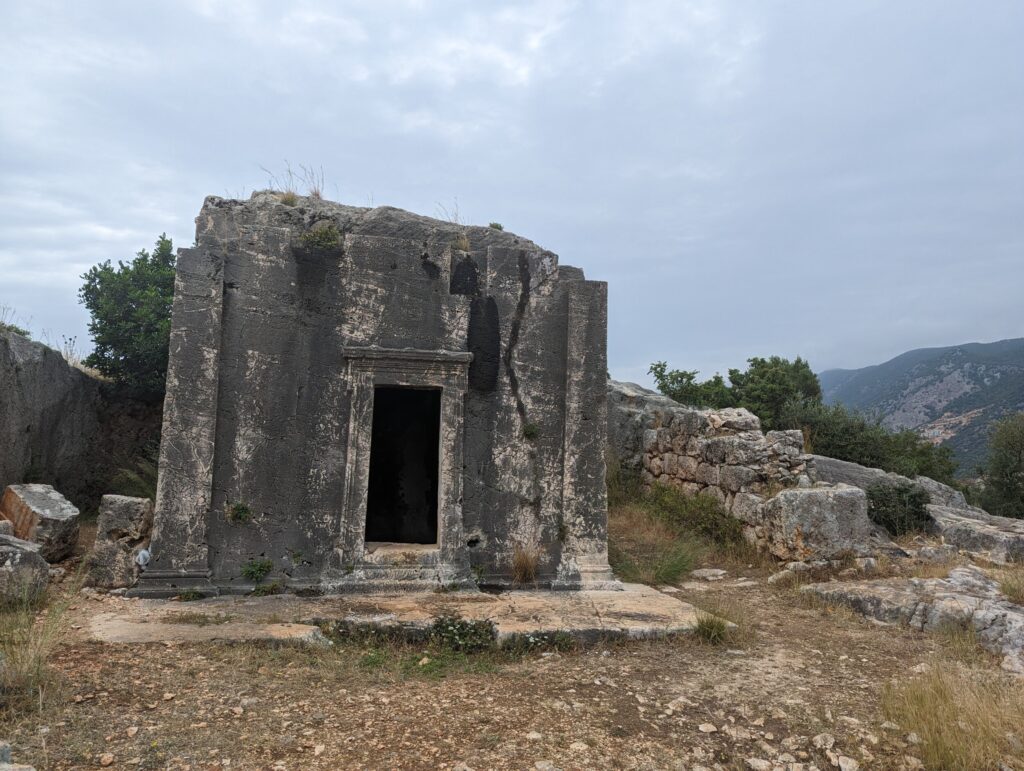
[(370, 399)]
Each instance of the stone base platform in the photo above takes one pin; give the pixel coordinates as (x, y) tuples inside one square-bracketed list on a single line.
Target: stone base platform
[(637, 611)]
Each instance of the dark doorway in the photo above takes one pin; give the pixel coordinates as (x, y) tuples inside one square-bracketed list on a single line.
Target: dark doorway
[(401, 504)]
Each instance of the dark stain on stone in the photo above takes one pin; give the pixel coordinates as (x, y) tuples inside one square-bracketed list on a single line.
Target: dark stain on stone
[(431, 269), (513, 333), (465, 278), (484, 341)]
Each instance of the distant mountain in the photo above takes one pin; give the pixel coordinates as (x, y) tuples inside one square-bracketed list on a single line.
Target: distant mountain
[(948, 395)]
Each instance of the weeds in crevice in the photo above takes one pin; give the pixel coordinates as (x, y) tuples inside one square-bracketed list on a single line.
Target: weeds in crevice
[(256, 570)]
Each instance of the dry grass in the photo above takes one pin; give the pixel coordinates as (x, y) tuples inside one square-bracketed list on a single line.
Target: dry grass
[(742, 633), (28, 638), (643, 548), (960, 643), (524, 564), (966, 718), (1011, 583)]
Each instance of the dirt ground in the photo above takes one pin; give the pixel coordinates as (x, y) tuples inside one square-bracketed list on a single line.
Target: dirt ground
[(790, 673)]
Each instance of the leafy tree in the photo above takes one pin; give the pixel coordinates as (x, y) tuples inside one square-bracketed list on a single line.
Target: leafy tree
[(682, 386), (130, 307), (1003, 493), (836, 432), (769, 385), (765, 388)]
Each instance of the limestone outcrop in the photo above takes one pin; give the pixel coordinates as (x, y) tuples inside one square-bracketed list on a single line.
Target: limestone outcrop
[(818, 523), (42, 515), (966, 527), (23, 571), (968, 596), (122, 531)]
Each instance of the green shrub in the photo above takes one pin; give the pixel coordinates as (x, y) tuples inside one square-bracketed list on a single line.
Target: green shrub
[(711, 629), (496, 226), (460, 634), (1003, 490), (238, 513), (265, 590), (836, 432), (130, 308), (256, 570), (701, 514), (899, 508), (326, 238), (530, 432)]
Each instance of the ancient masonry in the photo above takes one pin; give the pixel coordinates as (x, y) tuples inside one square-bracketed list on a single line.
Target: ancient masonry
[(370, 399)]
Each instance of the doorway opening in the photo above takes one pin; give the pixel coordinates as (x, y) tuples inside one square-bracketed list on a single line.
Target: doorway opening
[(401, 502)]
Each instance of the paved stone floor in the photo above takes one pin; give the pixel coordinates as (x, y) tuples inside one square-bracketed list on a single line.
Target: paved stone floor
[(637, 612)]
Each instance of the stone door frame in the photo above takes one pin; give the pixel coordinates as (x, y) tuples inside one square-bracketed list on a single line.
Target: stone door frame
[(365, 369)]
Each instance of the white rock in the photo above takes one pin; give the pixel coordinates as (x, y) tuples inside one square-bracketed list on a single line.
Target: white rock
[(709, 574), (707, 728)]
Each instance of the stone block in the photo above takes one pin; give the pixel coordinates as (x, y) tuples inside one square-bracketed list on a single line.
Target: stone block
[(122, 530), (821, 523), (734, 478), (23, 571), (42, 515)]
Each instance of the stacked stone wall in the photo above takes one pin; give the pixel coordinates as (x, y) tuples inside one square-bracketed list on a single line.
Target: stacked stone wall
[(722, 453)]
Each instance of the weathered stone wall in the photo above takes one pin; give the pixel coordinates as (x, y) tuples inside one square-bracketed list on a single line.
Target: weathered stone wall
[(48, 418), (62, 427), (722, 453), (286, 316)]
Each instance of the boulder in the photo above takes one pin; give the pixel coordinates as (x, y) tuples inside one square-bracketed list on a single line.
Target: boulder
[(967, 596), (122, 531), (821, 522), (23, 572), (42, 515)]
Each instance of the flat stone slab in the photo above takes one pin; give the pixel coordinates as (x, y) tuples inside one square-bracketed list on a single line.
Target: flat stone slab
[(967, 596), (637, 611), (997, 539)]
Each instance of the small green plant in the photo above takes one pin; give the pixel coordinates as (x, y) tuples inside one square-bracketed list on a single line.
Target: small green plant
[(900, 508), (265, 590), (289, 198), (711, 629), (257, 569), (238, 513), (460, 634), (496, 226), (521, 644), (373, 659), (322, 238), (190, 595), (531, 432)]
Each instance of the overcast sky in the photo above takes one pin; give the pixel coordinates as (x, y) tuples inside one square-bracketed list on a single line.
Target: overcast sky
[(838, 180)]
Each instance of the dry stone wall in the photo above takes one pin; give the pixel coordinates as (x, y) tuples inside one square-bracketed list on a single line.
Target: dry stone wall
[(722, 453)]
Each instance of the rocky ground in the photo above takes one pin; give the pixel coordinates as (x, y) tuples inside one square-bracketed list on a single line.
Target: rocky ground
[(795, 684)]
